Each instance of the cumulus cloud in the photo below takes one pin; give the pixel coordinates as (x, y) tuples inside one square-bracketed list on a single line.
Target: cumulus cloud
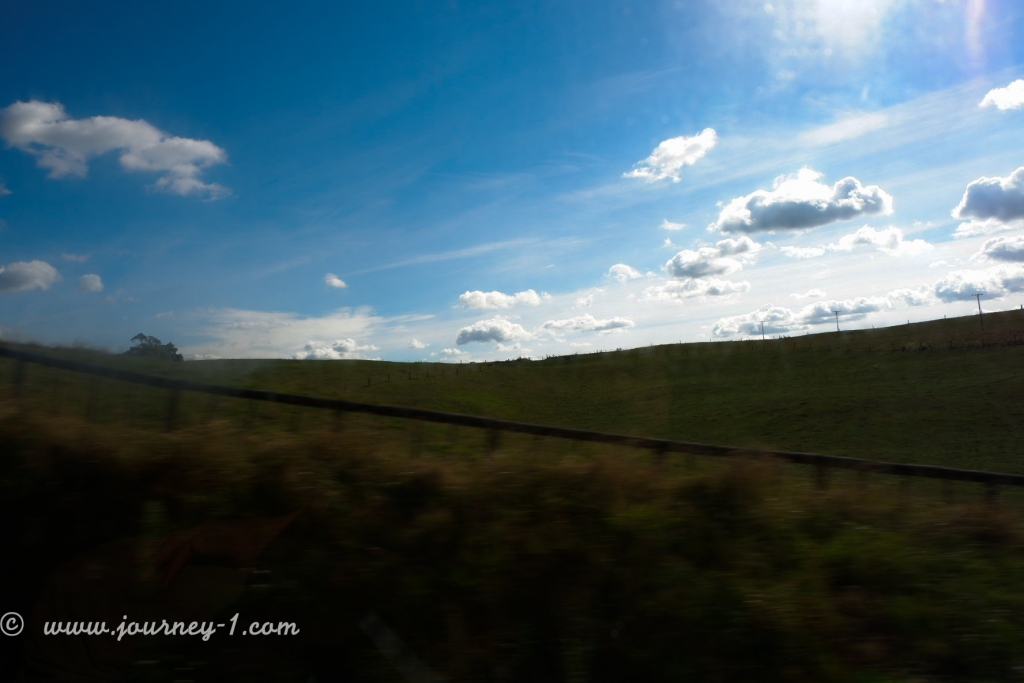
[(3, 189), (622, 272), (332, 280), (991, 204), (799, 202), (493, 300), (678, 290), (994, 282), (809, 294), (75, 258), (24, 275), (710, 261), (670, 156), (451, 352), (587, 323), (887, 240), (669, 225), (492, 330), (417, 344), (64, 146), (1010, 97), (780, 320), (90, 283), (1007, 248), (339, 350), (703, 262)]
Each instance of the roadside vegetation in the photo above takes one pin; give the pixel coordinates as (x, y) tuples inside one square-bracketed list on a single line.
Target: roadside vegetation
[(558, 561)]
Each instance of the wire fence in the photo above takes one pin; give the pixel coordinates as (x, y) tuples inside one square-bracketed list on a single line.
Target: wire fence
[(660, 447)]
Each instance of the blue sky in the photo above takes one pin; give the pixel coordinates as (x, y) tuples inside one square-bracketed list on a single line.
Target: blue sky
[(469, 181)]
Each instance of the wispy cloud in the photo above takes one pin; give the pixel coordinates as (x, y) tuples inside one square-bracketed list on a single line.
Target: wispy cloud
[(448, 255)]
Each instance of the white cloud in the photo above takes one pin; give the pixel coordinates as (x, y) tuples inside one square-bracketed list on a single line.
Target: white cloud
[(492, 330), (332, 280), (669, 225), (24, 275), (711, 261), (239, 333), (888, 240), (1010, 97), (993, 283), (986, 227), (417, 344), (75, 258), (622, 272), (809, 294), (450, 352), (991, 204), (743, 246), (799, 202), (203, 356), (803, 252), (1006, 248), (90, 283), (3, 189), (670, 156), (340, 349), (584, 301), (780, 320), (703, 262), (65, 145), (587, 323), (579, 344), (678, 290), (491, 300)]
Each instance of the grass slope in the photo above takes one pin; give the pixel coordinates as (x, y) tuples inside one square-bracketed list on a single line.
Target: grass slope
[(925, 393)]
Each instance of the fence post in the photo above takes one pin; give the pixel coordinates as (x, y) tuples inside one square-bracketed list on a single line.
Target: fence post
[(172, 409), (493, 440)]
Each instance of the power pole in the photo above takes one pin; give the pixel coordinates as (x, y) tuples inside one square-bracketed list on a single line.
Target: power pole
[(837, 321), (762, 331), (980, 320)]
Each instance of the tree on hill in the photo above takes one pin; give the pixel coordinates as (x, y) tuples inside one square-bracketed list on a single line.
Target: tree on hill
[(151, 347)]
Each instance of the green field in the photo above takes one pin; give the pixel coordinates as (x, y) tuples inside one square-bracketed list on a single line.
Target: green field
[(552, 560), (923, 393)]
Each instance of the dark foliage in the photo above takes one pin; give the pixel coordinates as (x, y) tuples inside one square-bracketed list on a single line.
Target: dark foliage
[(151, 347)]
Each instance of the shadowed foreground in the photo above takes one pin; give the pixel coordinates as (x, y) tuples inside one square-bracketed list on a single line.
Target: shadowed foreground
[(545, 562)]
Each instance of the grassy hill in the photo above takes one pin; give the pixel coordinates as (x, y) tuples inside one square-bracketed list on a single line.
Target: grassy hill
[(926, 393)]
